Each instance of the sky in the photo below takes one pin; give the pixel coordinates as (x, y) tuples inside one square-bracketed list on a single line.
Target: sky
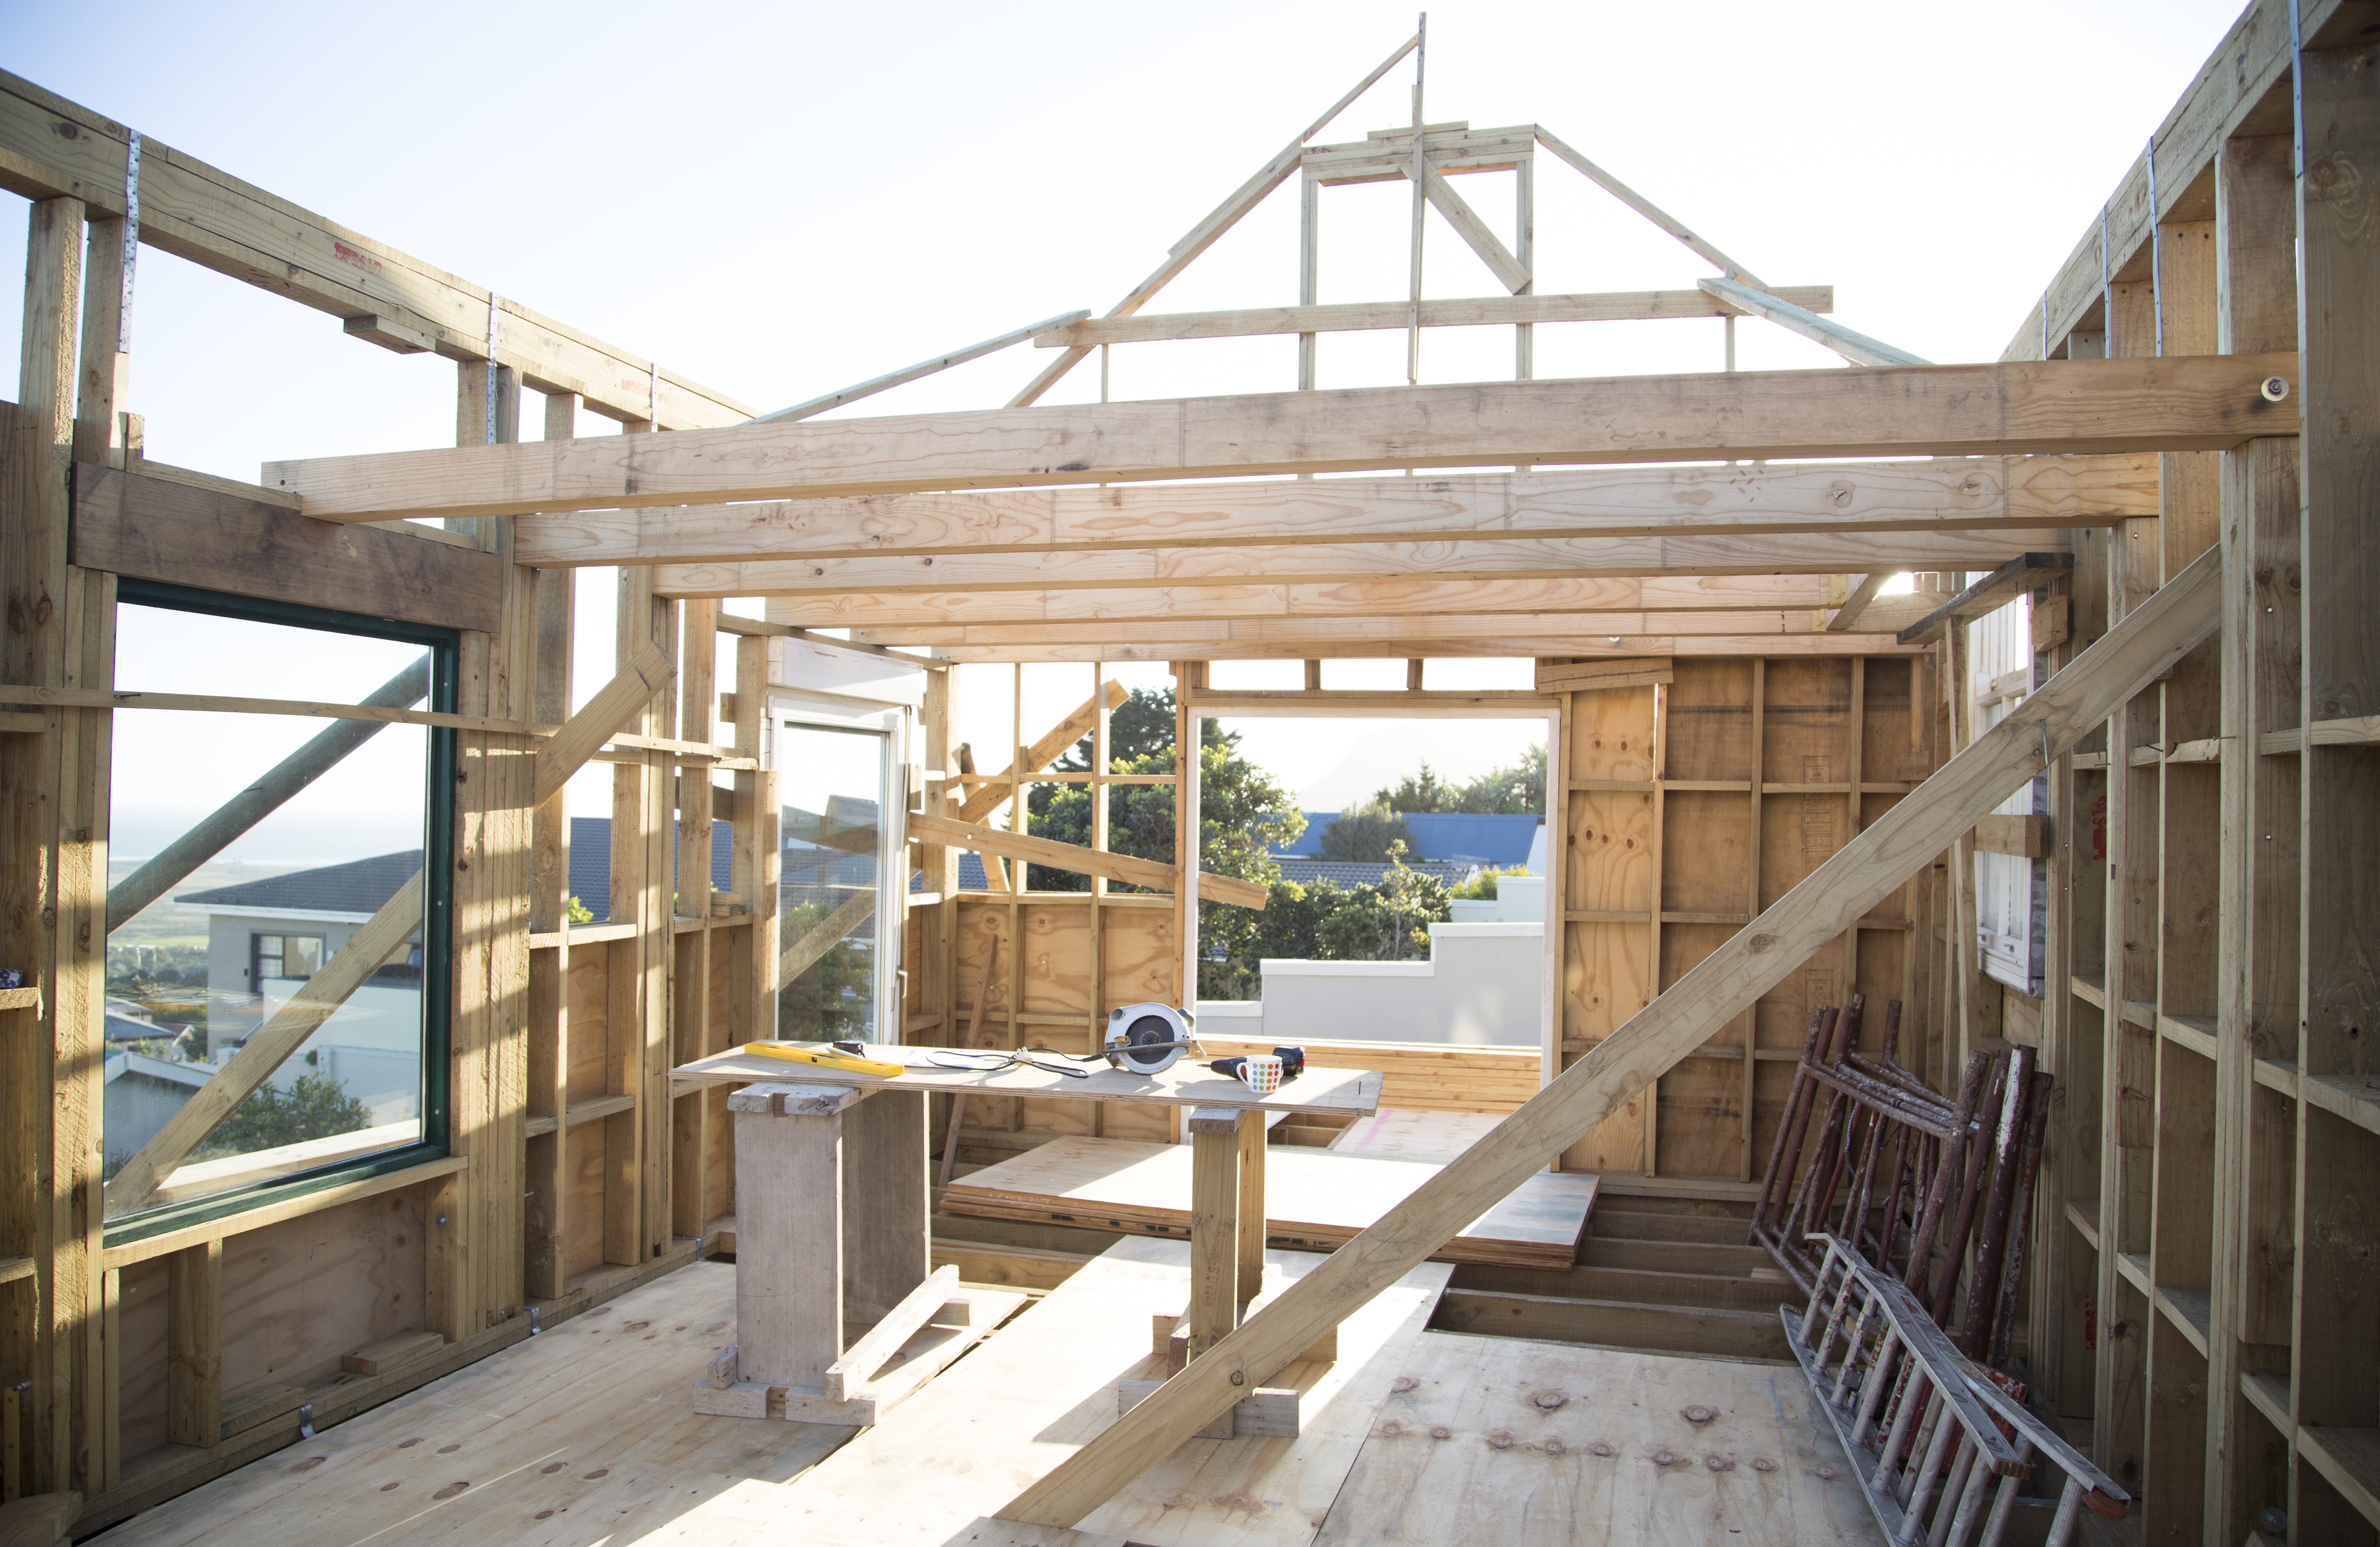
[(781, 200)]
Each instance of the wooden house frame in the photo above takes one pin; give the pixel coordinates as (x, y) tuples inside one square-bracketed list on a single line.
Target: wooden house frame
[(1769, 781)]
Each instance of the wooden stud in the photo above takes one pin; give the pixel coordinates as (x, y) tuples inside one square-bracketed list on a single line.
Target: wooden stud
[(194, 1341)]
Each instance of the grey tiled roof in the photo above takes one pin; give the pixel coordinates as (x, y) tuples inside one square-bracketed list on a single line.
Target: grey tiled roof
[(358, 886), (1307, 872)]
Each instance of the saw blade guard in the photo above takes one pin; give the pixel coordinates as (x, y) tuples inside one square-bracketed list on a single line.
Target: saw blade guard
[(1146, 1039)]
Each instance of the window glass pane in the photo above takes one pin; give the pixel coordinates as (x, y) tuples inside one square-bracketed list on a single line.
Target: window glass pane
[(254, 863), (831, 786)]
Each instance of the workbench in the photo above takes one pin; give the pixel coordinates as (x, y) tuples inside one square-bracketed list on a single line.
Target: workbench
[(832, 1216)]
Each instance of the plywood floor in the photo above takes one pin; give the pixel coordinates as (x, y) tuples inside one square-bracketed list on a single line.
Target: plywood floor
[(584, 1438), (1312, 1197)]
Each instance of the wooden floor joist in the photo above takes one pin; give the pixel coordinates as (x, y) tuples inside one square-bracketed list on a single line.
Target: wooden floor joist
[(2181, 404), (1830, 900)]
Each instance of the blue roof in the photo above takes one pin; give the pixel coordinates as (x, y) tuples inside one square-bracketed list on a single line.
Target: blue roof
[(1468, 838)]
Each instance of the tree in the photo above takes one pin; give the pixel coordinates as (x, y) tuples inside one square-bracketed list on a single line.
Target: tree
[(1368, 835), (1244, 815), (834, 995), (1518, 790), (311, 1106), (1417, 792)]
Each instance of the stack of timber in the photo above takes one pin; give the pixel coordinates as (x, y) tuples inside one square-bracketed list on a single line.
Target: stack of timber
[(1314, 1201)]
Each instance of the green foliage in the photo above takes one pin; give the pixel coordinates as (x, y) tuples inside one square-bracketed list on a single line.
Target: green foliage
[(1368, 835), (1516, 790), (1326, 922), (311, 1106), (836, 996), (1481, 887), (579, 912)]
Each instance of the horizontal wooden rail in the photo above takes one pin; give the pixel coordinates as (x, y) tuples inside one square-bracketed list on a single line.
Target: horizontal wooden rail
[(2180, 402)]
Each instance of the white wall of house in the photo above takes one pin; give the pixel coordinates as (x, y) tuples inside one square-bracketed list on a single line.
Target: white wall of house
[(1483, 986), (371, 1043)]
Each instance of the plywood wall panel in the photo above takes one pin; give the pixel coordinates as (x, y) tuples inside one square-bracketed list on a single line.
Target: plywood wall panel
[(298, 1294)]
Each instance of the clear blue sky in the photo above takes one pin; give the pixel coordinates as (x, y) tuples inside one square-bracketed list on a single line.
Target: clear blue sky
[(779, 200)]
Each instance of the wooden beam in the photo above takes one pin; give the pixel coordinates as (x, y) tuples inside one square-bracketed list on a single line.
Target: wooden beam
[(1284, 606), (1862, 597), (194, 1340), (923, 368), (1830, 900), (162, 530), (2242, 88), (1151, 873), (616, 704), (2201, 402), (1588, 676), (755, 628), (2027, 836), (803, 953), (1935, 494), (1463, 313), (1209, 231), (1080, 723), (1333, 563), (1997, 590), (1857, 348), (391, 925), (1472, 230), (1422, 646), (1644, 206), (51, 146), (1389, 628)]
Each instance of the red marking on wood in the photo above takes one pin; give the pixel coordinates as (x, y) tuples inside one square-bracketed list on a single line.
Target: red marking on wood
[(361, 260)]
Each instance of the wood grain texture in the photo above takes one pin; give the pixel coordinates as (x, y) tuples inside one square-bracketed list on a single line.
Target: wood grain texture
[(1315, 1199), (1355, 316), (156, 530), (50, 146), (2063, 405), (1524, 557), (1125, 607), (1834, 896)]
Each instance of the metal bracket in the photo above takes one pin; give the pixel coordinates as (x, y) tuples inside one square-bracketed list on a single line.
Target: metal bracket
[(131, 237), (305, 1420), (533, 1328)]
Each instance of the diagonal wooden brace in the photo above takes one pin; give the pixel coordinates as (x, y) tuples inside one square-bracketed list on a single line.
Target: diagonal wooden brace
[(1831, 900)]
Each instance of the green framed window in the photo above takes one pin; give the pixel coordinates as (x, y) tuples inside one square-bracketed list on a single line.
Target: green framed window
[(279, 907)]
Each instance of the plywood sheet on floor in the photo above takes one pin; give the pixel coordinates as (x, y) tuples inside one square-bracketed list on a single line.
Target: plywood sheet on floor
[(1312, 1197), (1403, 1133), (578, 1437), (1043, 1385), (1508, 1443)]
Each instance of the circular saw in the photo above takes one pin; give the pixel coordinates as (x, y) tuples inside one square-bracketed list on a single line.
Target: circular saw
[(1146, 1039)]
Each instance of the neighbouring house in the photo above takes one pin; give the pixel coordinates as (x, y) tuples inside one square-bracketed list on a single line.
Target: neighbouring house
[(266, 938), (141, 1094)]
